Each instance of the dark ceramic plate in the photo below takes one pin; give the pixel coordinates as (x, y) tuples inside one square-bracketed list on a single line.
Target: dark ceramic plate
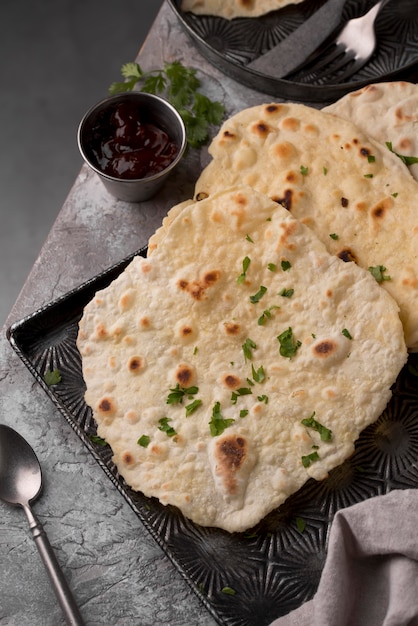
[(231, 44), (276, 566)]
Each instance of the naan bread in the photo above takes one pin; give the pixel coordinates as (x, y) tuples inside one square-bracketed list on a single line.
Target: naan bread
[(234, 8), (388, 112), (233, 274), (336, 180)]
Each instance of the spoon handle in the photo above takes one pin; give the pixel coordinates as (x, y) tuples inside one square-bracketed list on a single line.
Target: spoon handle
[(59, 582)]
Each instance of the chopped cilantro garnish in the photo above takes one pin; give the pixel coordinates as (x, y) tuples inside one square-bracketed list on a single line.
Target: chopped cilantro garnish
[(288, 346), (272, 267), (98, 440), (324, 432), (334, 236), (248, 238), (301, 524), (266, 315), (177, 394), (243, 413), (144, 441), (325, 170), (259, 375), (260, 293), (286, 293), (371, 158), (378, 273), (192, 407), (245, 265), (310, 458), (52, 377), (368, 175), (180, 86), (408, 160), (165, 427), (218, 424), (304, 170), (247, 346), (228, 591), (242, 391), (346, 333), (285, 265), (263, 398)]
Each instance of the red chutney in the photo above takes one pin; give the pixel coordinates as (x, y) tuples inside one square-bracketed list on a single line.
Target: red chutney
[(131, 148)]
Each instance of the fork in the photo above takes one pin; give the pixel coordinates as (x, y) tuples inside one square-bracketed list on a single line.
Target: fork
[(348, 51)]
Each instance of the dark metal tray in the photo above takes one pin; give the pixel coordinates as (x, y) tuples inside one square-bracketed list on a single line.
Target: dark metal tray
[(231, 44), (276, 566)]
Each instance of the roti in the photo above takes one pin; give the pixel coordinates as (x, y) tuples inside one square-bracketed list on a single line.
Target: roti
[(356, 195), (237, 361), (234, 8), (388, 112)]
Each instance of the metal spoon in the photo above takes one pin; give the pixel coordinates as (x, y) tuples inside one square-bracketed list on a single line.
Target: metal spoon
[(20, 483)]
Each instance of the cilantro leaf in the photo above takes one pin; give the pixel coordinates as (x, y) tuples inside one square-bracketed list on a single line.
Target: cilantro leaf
[(310, 458), (179, 85), (218, 424), (408, 160), (378, 273), (165, 427), (98, 440), (288, 345), (260, 293), (259, 375), (247, 348), (192, 407), (52, 377), (324, 432), (144, 441)]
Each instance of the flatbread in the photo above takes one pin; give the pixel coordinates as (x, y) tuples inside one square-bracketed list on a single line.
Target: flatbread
[(336, 180), (232, 275), (230, 9), (388, 112)]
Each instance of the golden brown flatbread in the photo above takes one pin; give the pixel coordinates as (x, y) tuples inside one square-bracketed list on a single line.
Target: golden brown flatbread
[(237, 361), (388, 112), (230, 9), (356, 195)]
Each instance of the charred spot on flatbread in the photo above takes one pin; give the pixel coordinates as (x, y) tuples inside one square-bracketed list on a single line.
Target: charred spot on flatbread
[(106, 406), (230, 454), (136, 364), (184, 375), (285, 200)]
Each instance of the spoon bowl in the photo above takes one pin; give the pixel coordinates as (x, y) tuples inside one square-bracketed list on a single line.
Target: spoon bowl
[(20, 471), (20, 484)]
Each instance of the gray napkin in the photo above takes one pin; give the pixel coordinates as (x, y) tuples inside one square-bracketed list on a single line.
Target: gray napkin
[(370, 576)]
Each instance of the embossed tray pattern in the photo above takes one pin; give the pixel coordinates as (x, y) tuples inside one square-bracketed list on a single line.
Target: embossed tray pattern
[(276, 566), (231, 44)]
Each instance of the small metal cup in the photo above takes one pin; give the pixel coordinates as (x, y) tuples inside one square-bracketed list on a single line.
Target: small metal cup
[(157, 111)]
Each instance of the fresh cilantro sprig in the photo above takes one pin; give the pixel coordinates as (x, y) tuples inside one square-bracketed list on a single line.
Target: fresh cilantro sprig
[(179, 85)]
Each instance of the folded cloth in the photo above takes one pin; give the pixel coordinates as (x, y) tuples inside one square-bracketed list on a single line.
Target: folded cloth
[(370, 577)]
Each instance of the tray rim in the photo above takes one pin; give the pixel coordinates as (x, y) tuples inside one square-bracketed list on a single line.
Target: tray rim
[(269, 85)]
